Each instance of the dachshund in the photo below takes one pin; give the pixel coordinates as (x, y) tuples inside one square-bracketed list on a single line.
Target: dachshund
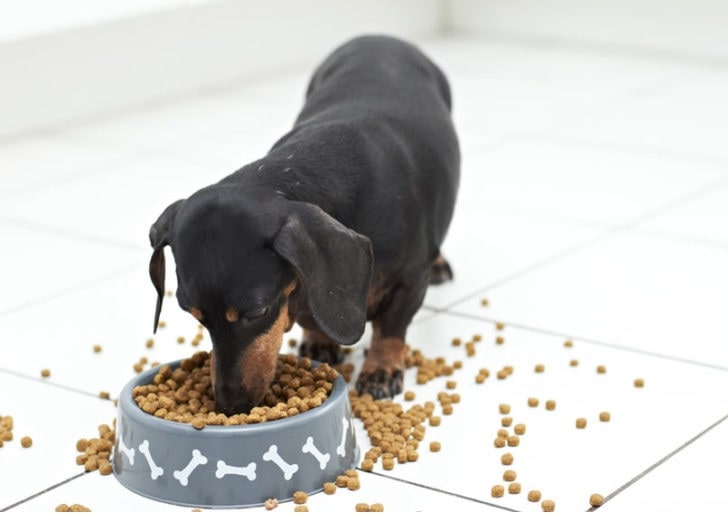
[(340, 223)]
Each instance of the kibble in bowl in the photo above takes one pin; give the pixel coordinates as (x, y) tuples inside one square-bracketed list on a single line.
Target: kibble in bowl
[(221, 464)]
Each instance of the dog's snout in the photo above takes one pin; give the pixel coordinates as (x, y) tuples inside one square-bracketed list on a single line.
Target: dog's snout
[(231, 401)]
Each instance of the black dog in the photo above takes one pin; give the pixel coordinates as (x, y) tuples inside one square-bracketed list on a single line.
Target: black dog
[(340, 223)]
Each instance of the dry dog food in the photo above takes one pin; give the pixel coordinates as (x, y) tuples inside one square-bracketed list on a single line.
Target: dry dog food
[(596, 500), (573, 362), (504, 408), (568, 344), (300, 508), (330, 488), (497, 491), (513, 440), (96, 452), (639, 382), (484, 302), (451, 384), (45, 373), (514, 488), (435, 446), (150, 343), (506, 421), (456, 341), (581, 422), (499, 326), (435, 420), (376, 507), (361, 507), (97, 348), (548, 505), (26, 442), (533, 402), (601, 369), (534, 495), (604, 416), (550, 404), (185, 394), (300, 497), (270, 504), (539, 368), (519, 429), (409, 396), (76, 507), (499, 442), (353, 484), (509, 475), (499, 340)]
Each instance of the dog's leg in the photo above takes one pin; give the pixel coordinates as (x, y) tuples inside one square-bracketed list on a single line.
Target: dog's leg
[(382, 373), (318, 346), (441, 271)]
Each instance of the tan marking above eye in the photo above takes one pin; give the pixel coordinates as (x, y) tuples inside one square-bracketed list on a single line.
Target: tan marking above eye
[(196, 313), (232, 315)]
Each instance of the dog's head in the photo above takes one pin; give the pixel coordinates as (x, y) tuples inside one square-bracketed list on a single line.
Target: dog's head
[(240, 262)]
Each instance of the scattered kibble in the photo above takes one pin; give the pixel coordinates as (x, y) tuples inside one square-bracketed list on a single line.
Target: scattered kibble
[(499, 442), (506, 459), (601, 369), (435, 446), (451, 384), (514, 488), (499, 326), (534, 495), (509, 475), (76, 507), (376, 507), (504, 408), (604, 417), (519, 429), (497, 491), (548, 505), (539, 368), (330, 487), (45, 373), (568, 344), (270, 504), (513, 440), (300, 497), (533, 402), (97, 348), (581, 422), (573, 362), (506, 421), (409, 396), (499, 340), (639, 382), (300, 508), (26, 442), (550, 404), (596, 500), (362, 507)]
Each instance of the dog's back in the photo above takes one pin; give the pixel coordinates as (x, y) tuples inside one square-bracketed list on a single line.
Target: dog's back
[(388, 105)]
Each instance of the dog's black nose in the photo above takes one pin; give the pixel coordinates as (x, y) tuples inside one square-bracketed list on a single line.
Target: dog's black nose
[(232, 401)]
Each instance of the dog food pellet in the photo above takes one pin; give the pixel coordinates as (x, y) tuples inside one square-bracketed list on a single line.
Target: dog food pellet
[(300, 497), (409, 395), (509, 475), (504, 408), (480, 378), (361, 507), (45, 373), (519, 429), (353, 484), (484, 301), (477, 337), (292, 343), (533, 402), (501, 375), (388, 464), (596, 500), (435, 420), (367, 465), (330, 488), (604, 416), (550, 404), (601, 369), (105, 468), (499, 326), (514, 488), (534, 495), (539, 368), (76, 507), (456, 341), (26, 442), (376, 507), (506, 459), (300, 508), (499, 442), (150, 343), (447, 409), (513, 440), (506, 421), (162, 324), (180, 340), (342, 481), (639, 382), (97, 348), (499, 340), (573, 362), (503, 433), (271, 503), (104, 395), (451, 384), (568, 344), (497, 491), (548, 505), (435, 446), (581, 422)]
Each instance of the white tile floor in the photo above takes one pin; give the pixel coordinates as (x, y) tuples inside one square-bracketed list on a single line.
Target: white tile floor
[(594, 206)]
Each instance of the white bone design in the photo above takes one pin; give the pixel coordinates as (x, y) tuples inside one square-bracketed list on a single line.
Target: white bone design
[(245, 471), (154, 470), (272, 455), (309, 447), (341, 449), (129, 452), (197, 459)]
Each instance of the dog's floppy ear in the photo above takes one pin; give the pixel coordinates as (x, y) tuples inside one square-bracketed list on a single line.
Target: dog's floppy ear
[(159, 238), (334, 264)]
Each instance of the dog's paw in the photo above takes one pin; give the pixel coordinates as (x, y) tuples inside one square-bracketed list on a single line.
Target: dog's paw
[(380, 383), (441, 271), (329, 353)]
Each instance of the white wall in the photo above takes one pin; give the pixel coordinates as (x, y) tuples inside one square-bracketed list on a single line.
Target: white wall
[(95, 70)]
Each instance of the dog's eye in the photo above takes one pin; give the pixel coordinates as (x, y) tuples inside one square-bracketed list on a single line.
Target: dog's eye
[(255, 314)]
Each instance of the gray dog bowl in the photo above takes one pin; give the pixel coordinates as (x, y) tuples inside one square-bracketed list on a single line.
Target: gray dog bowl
[(232, 466)]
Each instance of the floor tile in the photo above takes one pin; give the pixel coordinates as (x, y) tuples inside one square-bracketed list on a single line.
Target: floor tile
[(647, 293), (54, 419), (566, 464)]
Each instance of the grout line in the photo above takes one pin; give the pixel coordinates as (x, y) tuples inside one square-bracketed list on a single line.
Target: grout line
[(589, 340), (660, 462), (54, 486), (67, 233), (441, 491), (25, 376), (32, 303)]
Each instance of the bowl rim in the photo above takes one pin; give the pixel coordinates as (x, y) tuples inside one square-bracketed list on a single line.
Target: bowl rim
[(129, 407)]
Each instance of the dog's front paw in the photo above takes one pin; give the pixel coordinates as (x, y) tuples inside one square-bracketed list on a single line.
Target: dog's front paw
[(380, 383), (329, 353)]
